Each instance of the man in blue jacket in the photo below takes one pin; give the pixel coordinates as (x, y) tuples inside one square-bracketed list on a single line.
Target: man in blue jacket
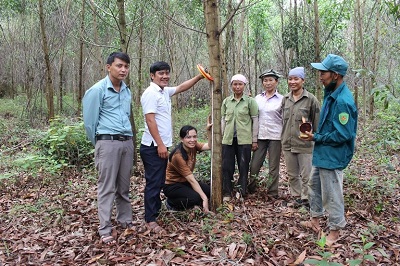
[(333, 149)]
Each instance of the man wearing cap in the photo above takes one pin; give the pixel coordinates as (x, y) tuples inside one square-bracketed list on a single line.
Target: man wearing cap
[(269, 133), (239, 126), (298, 106), (334, 147)]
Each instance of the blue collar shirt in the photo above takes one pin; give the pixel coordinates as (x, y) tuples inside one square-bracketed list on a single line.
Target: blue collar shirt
[(107, 111)]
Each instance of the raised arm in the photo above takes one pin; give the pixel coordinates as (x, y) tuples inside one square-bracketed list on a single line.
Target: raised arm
[(188, 84)]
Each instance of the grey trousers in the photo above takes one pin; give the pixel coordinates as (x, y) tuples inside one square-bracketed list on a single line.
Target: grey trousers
[(326, 194), (114, 161), (298, 166), (273, 147)]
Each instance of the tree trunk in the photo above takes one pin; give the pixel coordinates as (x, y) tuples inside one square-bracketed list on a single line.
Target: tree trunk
[(211, 13), (375, 61), (61, 84), (49, 80), (99, 66), (317, 43), (239, 55), (140, 60), (124, 48), (356, 91), (362, 57), (80, 74)]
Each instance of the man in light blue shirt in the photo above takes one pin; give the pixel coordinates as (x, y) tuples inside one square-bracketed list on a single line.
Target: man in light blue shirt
[(106, 111)]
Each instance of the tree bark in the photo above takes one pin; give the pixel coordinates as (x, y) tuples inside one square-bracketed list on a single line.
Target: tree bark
[(124, 48), (317, 43), (80, 74), (375, 60), (49, 80), (211, 13), (362, 56)]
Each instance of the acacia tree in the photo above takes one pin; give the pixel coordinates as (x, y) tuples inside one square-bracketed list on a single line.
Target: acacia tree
[(211, 13), (214, 30), (46, 52)]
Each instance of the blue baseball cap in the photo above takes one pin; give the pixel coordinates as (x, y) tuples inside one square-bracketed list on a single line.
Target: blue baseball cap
[(332, 63)]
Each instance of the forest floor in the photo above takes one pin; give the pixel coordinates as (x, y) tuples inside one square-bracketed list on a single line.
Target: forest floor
[(53, 221)]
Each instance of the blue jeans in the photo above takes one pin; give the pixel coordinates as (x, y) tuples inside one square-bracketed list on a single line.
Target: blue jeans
[(154, 173), (243, 156), (326, 194)]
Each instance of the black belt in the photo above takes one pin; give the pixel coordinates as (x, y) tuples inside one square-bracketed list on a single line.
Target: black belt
[(113, 137)]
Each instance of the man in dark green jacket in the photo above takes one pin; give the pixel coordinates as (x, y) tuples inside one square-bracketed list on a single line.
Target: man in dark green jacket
[(333, 149)]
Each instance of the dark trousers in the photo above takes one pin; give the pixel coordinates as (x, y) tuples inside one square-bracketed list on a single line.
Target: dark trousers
[(154, 172), (242, 153), (181, 196)]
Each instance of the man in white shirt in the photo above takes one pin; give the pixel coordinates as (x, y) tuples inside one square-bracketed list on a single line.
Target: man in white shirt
[(157, 137)]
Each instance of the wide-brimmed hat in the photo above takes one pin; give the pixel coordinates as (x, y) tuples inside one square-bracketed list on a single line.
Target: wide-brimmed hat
[(332, 63), (270, 72)]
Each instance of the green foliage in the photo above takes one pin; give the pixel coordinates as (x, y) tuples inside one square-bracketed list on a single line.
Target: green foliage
[(247, 238), (37, 163), (324, 254), (67, 144), (363, 251)]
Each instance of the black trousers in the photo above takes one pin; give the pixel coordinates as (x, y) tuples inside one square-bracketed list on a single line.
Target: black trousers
[(242, 153), (181, 196)]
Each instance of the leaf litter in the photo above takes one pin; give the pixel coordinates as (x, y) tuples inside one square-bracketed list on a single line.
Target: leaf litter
[(49, 220)]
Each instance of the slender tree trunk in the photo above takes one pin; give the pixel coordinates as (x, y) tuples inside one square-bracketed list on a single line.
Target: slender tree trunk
[(99, 66), (282, 16), (124, 48), (356, 91), (239, 55), (317, 49), (211, 12), (49, 80), (80, 74), (140, 61), (61, 84), (375, 61), (362, 56)]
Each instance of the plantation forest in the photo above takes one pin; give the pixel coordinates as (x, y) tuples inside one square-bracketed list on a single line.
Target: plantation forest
[(53, 51)]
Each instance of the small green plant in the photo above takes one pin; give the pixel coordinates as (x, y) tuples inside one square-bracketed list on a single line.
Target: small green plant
[(247, 238), (324, 254), (66, 142), (363, 251)]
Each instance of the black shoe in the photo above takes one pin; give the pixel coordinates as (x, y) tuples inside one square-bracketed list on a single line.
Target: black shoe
[(301, 203)]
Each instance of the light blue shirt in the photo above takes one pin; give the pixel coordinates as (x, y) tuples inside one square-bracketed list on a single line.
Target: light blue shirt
[(106, 111)]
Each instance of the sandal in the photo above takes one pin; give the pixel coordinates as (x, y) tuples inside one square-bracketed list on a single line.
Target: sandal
[(108, 240), (155, 228), (310, 225)]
